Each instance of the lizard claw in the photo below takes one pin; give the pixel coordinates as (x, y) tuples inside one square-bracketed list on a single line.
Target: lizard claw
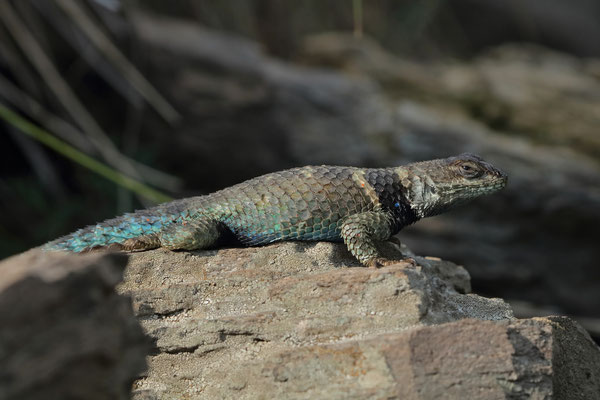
[(409, 260), (382, 262)]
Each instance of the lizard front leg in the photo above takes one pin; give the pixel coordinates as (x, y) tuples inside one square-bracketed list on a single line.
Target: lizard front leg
[(361, 231)]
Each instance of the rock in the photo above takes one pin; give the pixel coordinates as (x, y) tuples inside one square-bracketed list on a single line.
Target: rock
[(289, 320), (363, 57), (64, 332), (512, 88), (460, 360), (304, 320), (509, 88)]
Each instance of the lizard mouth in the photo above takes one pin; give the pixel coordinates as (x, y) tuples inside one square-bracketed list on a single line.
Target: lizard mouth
[(500, 178), (498, 183), (503, 180)]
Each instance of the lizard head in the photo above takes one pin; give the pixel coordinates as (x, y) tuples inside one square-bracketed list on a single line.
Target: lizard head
[(448, 182)]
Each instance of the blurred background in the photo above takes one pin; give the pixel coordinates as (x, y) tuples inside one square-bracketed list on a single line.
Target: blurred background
[(111, 105)]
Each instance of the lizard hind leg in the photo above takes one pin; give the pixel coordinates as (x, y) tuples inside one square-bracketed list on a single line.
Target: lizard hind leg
[(145, 242), (190, 235)]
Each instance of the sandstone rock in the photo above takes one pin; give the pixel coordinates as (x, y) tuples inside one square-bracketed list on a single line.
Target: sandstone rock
[(304, 320), (290, 320), (64, 332), (460, 360)]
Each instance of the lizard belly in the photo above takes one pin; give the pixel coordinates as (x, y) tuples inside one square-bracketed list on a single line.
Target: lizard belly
[(256, 234), (256, 226)]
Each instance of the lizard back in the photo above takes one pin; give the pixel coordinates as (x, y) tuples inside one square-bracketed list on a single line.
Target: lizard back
[(304, 203)]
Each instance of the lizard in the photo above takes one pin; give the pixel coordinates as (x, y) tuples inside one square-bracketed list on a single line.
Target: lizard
[(359, 206)]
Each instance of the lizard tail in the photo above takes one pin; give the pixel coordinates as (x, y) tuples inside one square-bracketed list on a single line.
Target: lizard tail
[(135, 231)]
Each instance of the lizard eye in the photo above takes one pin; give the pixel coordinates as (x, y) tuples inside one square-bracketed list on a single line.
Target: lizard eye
[(469, 171)]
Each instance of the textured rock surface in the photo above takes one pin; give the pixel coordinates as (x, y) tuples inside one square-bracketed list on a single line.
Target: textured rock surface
[(510, 88), (301, 320), (460, 360), (290, 320), (64, 332)]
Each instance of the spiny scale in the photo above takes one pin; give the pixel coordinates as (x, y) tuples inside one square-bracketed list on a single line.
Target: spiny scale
[(358, 206)]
